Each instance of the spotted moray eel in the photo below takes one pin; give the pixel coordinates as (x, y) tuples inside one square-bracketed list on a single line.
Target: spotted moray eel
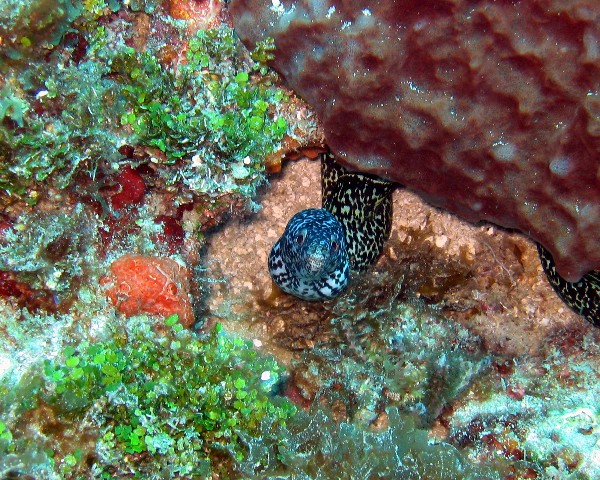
[(313, 258), (319, 247)]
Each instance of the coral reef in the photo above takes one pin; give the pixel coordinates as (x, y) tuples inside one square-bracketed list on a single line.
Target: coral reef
[(488, 110), (320, 448), (543, 408), (128, 135), (355, 366)]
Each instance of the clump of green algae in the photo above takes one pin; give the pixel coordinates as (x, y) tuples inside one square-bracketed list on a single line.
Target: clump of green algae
[(66, 111), (183, 397)]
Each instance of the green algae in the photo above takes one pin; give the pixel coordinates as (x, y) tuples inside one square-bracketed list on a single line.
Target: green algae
[(70, 110), (208, 110), (131, 400), (6, 445), (181, 397)]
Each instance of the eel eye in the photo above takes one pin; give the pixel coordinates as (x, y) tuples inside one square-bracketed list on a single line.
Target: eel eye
[(300, 239), (334, 246)]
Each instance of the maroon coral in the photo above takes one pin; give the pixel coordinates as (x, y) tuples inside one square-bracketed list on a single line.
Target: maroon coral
[(488, 109), (132, 188)]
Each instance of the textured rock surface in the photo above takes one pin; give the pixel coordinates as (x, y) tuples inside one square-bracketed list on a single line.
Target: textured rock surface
[(488, 109)]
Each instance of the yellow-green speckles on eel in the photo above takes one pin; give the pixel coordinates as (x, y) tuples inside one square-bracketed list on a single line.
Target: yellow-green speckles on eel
[(362, 203), (582, 296)]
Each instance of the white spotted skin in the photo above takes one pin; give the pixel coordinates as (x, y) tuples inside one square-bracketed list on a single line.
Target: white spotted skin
[(310, 260)]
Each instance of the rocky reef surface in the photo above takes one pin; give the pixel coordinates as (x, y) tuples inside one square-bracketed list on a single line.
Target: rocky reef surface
[(456, 324), (146, 169), (488, 109)]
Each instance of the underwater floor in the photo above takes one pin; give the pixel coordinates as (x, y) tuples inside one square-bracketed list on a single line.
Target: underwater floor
[(454, 334), (444, 288), (141, 188)]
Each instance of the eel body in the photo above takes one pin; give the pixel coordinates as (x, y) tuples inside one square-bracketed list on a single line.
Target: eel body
[(583, 296), (362, 203), (320, 247)]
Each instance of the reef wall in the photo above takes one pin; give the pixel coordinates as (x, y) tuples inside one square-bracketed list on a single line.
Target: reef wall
[(488, 109)]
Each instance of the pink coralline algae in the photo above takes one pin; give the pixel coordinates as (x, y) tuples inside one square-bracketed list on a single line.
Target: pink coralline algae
[(488, 109)]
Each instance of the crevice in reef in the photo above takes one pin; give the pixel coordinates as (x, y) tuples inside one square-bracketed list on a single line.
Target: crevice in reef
[(482, 277)]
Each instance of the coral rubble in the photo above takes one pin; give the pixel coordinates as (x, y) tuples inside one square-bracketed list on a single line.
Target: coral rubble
[(490, 110)]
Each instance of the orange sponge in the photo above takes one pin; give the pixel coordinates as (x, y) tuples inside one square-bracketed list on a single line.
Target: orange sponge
[(141, 284)]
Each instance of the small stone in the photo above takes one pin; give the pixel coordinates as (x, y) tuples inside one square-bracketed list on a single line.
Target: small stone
[(441, 241)]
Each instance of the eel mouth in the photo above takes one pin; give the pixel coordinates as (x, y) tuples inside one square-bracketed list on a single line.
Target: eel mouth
[(316, 260)]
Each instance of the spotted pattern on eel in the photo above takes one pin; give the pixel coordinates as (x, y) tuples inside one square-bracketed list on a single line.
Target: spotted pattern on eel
[(313, 258)]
